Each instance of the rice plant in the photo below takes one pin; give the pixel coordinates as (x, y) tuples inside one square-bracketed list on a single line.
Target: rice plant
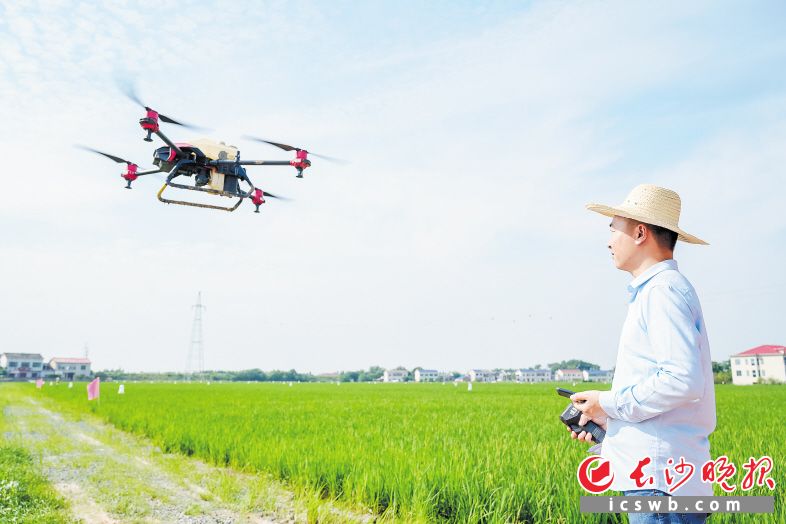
[(412, 452)]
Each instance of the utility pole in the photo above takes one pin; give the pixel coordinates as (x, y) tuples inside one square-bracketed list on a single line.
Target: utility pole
[(196, 352)]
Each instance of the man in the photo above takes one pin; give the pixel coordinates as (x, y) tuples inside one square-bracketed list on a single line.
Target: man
[(662, 400)]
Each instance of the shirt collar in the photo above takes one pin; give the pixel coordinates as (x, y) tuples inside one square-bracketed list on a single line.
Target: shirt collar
[(639, 281)]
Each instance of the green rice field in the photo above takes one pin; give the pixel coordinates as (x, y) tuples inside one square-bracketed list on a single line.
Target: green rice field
[(411, 452)]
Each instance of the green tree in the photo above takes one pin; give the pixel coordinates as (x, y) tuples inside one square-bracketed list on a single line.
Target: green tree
[(250, 375), (573, 364), (721, 372)]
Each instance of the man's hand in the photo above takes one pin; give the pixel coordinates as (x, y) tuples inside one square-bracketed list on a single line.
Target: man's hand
[(587, 403)]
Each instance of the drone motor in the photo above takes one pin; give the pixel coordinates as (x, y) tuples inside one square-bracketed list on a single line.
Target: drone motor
[(130, 174), (149, 123)]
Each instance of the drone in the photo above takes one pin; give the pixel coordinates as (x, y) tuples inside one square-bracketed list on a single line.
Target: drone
[(212, 167)]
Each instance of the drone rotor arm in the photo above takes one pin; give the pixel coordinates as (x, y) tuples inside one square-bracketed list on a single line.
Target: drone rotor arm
[(250, 162), (149, 172), (179, 152), (264, 163)]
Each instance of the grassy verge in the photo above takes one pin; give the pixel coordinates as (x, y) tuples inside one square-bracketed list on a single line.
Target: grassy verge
[(128, 478), (25, 494)]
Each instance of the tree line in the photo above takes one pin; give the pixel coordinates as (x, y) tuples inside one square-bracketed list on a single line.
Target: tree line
[(721, 372)]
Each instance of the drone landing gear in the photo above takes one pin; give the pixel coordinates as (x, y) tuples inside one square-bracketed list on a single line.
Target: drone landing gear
[(197, 204), (214, 184)]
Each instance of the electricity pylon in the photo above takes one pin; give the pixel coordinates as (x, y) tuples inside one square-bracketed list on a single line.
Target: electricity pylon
[(196, 352)]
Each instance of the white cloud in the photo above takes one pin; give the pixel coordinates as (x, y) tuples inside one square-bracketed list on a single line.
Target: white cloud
[(456, 237)]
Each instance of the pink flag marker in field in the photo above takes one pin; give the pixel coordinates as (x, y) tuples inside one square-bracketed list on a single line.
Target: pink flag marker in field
[(39, 383), (93, 389)]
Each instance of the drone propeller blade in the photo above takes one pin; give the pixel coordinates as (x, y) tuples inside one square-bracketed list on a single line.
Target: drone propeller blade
[(286, 147), (271, 195), (129, 90), (276, 144), (110, 157), (168, 120), (330, 158)]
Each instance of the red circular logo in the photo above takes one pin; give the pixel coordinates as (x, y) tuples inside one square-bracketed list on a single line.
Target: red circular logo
[(595, 479)]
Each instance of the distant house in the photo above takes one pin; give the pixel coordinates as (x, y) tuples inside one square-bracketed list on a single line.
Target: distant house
[(533, 375), (70, 368), (426, 375), (22, 365), (762, 362), (568, 375), (598, 375), (482, 375), (395, 375), (504, 375)]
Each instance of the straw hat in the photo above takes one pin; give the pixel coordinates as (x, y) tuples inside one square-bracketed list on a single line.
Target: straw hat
[(651, 205)]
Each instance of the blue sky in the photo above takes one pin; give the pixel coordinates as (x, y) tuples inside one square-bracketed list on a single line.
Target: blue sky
[(455, 238)]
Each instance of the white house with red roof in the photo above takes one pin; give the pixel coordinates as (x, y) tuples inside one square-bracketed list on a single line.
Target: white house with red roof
[(762, 362), (70, 368), (568, 375)]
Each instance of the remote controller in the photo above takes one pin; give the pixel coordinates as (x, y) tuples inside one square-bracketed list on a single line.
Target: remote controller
[(571, 416)]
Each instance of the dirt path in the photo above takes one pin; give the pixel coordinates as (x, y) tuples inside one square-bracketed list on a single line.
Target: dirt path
[(110, 476)]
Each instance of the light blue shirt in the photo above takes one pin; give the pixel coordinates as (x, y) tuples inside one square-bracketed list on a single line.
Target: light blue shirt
[(662, 399)]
